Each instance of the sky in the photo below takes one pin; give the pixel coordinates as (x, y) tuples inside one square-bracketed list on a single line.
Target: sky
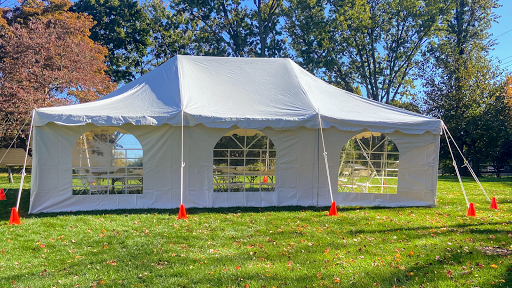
[(502, 32), (130, 142)]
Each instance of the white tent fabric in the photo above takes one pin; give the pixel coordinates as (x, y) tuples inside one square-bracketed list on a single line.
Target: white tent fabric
[(250, 93), (217, 96)]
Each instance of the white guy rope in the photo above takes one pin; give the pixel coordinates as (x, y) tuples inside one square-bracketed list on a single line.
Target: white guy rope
[(25, 163), (456, 169), (466, 163), (15, 137), (182, 163), (325, 157)]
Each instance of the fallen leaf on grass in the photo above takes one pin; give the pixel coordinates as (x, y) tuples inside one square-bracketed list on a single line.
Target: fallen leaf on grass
[(494, 266), (237, 267)]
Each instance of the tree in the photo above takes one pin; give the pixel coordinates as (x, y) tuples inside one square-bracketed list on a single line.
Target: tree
[(234, 28), (266, 17), (47, 59), (223, 27), (172, 33), (309, 27), (462, 85), (367, 42), (123, 27), (411, 106), (508, 90)]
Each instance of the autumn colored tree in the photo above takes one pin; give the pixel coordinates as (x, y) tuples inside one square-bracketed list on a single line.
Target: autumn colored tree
[(508, 90), (47, 59)]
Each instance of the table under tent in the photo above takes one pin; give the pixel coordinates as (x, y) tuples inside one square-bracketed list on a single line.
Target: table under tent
[(220, 132)]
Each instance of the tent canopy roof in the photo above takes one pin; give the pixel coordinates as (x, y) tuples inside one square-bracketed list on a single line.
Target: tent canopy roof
[(251, 93)]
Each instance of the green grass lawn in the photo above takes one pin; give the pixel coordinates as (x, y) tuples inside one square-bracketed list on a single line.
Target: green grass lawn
[(265, 247)]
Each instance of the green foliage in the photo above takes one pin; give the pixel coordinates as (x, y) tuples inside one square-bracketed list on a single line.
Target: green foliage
[(172, 33), (233, 28), (310, 30), (124, 28), (271, 246), (371, 43), (464, 88), (136, 163), (411, 106), (224, 27)]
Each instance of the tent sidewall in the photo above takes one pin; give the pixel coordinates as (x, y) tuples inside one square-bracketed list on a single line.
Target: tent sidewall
[(300, 171)]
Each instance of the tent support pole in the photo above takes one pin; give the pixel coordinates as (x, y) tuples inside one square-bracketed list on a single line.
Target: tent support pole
[(25, 163), (182, 163), (317, 166)]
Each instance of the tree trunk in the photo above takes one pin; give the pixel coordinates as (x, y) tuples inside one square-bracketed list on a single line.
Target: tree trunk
[(261, 34)]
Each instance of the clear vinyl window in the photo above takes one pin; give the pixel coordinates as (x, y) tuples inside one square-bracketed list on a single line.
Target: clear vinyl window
[(107, 160), (369, 164), (244, 160)]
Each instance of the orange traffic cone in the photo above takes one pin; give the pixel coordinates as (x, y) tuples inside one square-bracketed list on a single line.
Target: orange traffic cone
[(2, 194), (182, 214), (471, 210), (15, 218), (265, 179), (383, 182), (333, 211), (494, 205)]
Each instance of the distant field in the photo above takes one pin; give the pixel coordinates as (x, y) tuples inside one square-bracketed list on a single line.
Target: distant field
[(265, 247)]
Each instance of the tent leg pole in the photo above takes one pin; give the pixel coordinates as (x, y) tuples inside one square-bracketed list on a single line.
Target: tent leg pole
[(10, 175), (317, 165)]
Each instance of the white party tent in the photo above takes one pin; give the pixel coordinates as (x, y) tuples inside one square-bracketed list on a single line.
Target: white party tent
[(190, 103)]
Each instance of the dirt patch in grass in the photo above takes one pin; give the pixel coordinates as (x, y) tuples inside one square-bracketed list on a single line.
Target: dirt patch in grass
[(495, 250)]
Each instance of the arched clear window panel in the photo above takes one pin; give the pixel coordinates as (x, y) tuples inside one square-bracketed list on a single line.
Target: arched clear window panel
[(244, 160), (107, 160), (369, 164)]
